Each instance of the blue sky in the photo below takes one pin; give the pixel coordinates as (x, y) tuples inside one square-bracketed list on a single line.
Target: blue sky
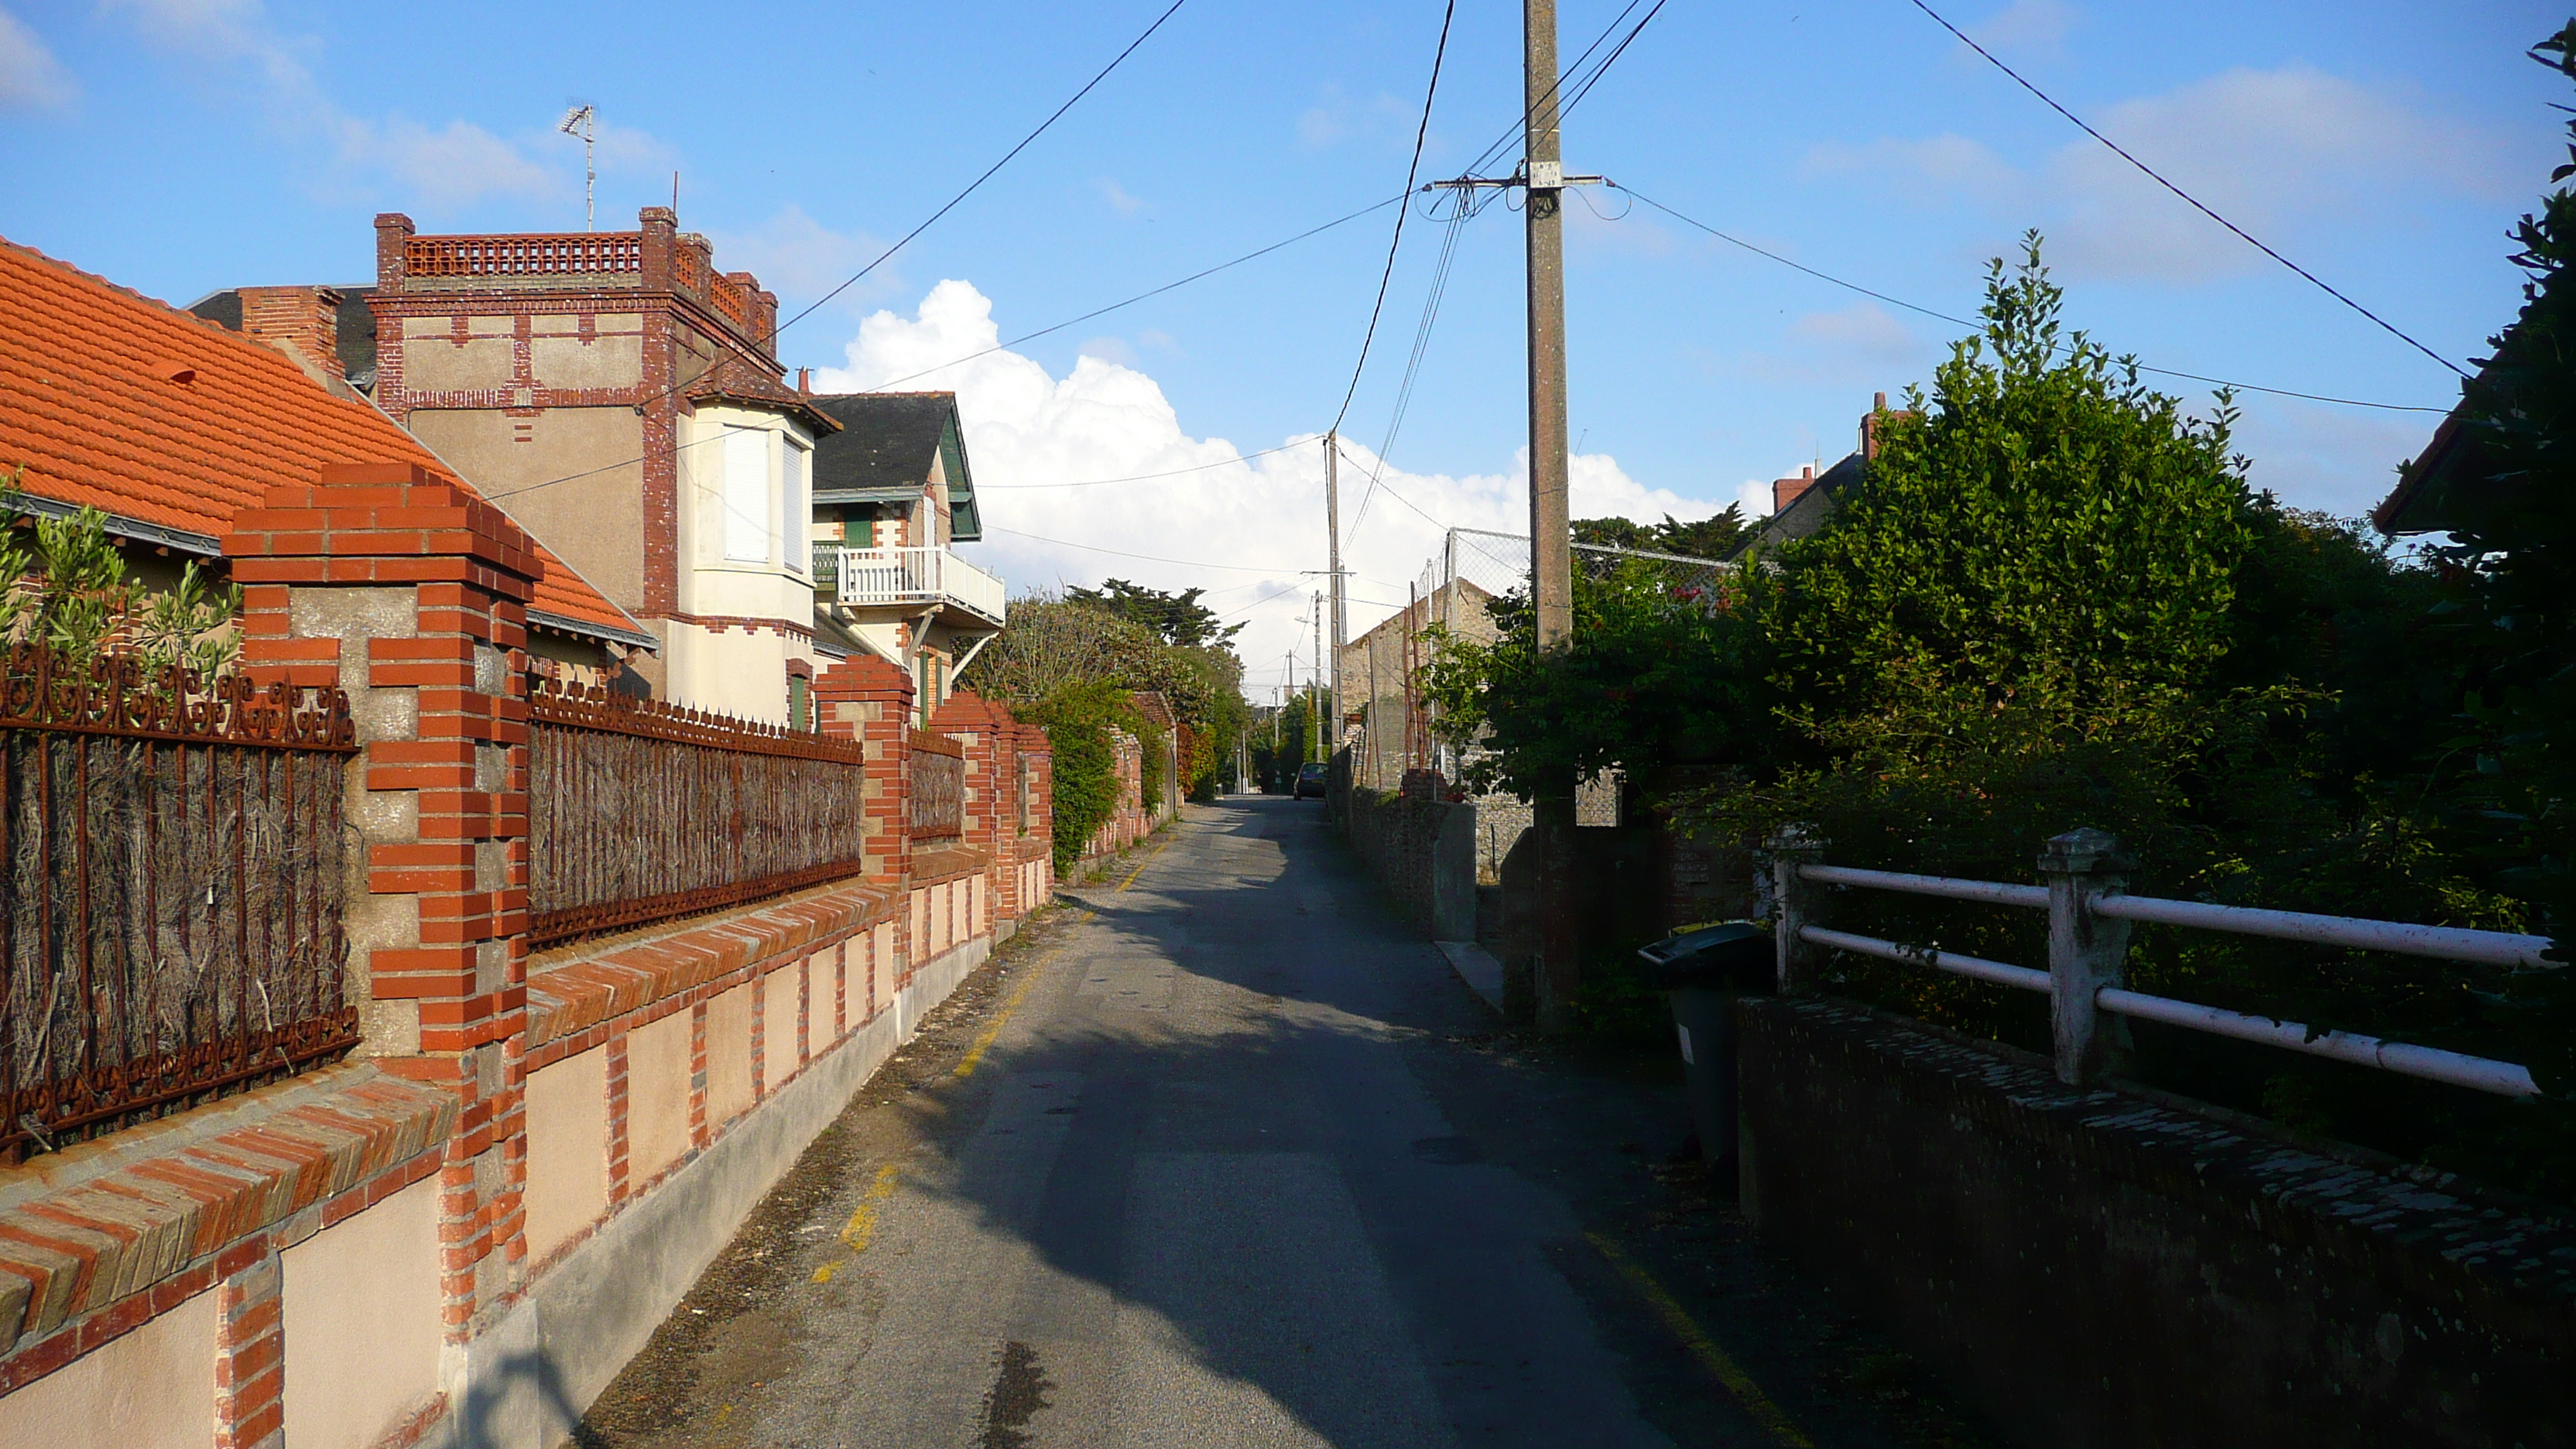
[(176, 146)]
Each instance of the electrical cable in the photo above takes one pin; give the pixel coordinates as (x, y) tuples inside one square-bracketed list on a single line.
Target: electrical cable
[(1139, 297), (1964, 322), (1147, 557), (1412, 170), (2153, 175), (952, 203), (1413, 364), (1142, 477)]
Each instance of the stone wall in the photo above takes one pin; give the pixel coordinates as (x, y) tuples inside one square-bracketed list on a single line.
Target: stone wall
[(2116, 1267), (1421, 847)]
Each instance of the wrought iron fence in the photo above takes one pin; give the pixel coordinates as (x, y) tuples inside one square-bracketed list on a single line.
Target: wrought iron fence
[(172, 875), (639, 811), (938, 801)]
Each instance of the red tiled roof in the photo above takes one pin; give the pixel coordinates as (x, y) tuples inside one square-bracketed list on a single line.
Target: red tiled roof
[(93, 406)]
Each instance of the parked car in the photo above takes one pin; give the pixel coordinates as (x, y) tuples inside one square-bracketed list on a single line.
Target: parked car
[(1310, 780)]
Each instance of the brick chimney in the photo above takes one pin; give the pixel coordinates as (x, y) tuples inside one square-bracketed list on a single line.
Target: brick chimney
[(1785, 491), (1873, 421), (302, 322)]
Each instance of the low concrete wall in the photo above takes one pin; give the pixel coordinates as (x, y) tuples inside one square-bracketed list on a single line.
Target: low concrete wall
[(2114, 1267), (528, 1382), (1422, 850)]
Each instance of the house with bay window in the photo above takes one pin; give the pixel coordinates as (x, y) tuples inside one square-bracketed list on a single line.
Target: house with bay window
[(893, 496), (624, 400)]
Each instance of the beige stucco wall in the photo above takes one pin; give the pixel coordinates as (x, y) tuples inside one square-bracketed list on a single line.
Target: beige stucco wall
[(613, 357), (733, 672), (151, 1387), (362, 1322), (567, 1149), (433, 361), (975, 905), (594, 523), (657, 1096), (881, 972), (729, 1093), (778, 1023)]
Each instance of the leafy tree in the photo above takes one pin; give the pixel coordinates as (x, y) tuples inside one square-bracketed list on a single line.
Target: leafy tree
[(1709, 538), (2043, 530), (1656, 680), (1178, 619)]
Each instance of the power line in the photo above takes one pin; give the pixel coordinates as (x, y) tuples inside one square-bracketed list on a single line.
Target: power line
[(1520, 124), (1139, 297), (1147, 557), (1964, 322), (952, 203), (2196, 205), (1142, 477), (1413, 363), (972, 186), (1412, 170)]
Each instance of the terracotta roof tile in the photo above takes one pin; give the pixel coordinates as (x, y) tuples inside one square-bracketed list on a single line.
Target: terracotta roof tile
[(89, 405)]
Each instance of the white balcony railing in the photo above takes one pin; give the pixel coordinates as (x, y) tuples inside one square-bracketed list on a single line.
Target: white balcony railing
[(870, 576)]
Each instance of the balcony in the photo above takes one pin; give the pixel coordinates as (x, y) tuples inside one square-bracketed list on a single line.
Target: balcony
[(866, 578)]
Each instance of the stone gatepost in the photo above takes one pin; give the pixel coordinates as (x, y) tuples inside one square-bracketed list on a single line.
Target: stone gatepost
[(414, 592)]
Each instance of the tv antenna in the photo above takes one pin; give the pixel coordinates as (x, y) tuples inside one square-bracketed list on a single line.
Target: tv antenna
[(583, 121)]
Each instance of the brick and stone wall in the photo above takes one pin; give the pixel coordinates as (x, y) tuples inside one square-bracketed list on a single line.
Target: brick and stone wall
[(460, 1234), (2115, 1267)]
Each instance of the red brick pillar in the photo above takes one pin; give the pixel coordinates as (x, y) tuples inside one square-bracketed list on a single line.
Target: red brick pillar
[(869, 699), (1039, 751), (414, 592), (972, 721)]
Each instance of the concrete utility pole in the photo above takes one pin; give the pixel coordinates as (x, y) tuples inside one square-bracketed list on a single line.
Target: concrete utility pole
[(1315, 685), (1558, 970), (1333, 526), (1551, 553)]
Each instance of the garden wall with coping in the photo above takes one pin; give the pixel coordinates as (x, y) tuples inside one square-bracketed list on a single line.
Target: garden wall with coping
[(2110, 1266)]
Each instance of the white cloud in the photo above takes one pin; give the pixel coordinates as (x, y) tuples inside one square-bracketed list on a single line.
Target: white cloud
[(1262, 518), (30, 77), (798, 257), (442, 167), (1863, 330), (2037, 27), (1338, 116), (446, 168), (2282, 153), (1929, 172), (1117, 196)]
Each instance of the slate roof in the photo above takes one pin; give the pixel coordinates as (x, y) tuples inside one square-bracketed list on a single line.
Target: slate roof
[(1808, 511), (884, 450), (2424, 500), (92, 411), (356, 342)]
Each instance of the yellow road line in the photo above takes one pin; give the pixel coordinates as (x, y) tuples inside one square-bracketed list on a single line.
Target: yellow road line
[(975, 1054), (1140, 865), (1757, 1404), (862, 1226)]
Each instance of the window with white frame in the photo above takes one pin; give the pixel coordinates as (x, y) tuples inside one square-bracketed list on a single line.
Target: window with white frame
[(745, 495), (792, 508)]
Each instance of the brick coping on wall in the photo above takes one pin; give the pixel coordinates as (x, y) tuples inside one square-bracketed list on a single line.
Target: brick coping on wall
[(2171, 1144), (101, 1237), (580, 991), (942, 864)]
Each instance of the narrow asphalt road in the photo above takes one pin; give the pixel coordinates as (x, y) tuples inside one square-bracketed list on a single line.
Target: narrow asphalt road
[(1221, 1154)]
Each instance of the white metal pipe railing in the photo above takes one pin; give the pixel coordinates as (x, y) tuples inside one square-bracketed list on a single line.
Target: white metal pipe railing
[(1974, 967), (2448, 943), (1992, 892), (2088, 938), (2431, 1063)]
